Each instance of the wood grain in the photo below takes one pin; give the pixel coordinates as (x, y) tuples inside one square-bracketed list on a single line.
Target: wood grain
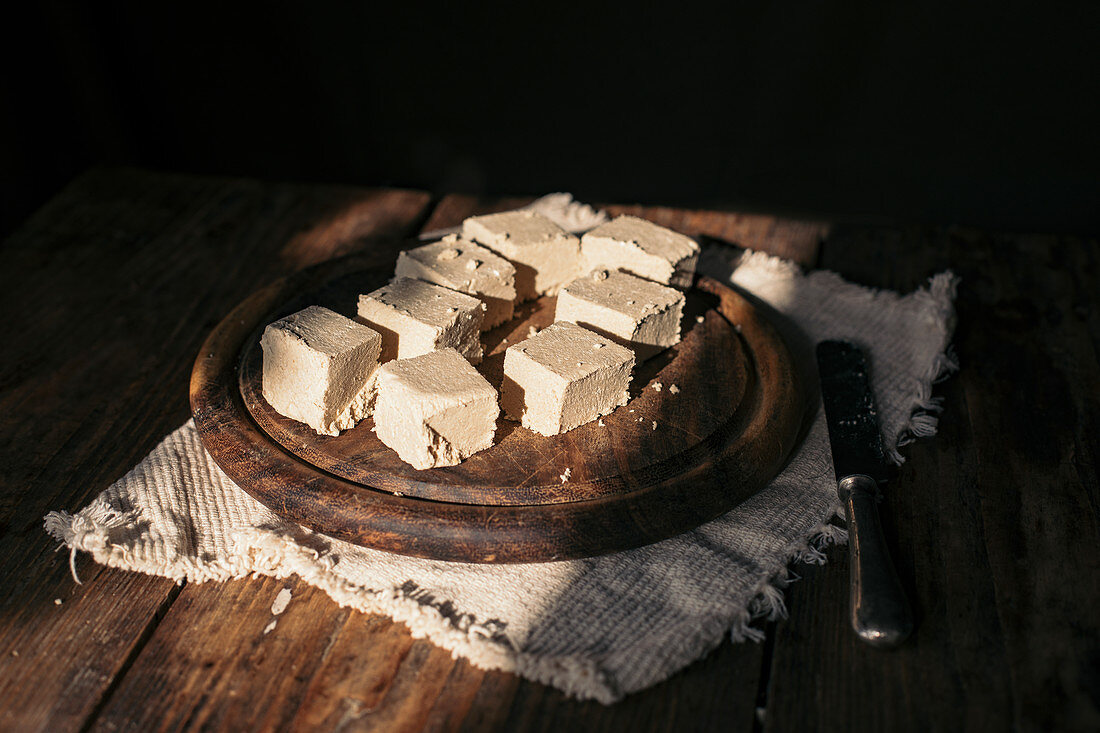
[(193, 674), (994, 523), (113, 286)]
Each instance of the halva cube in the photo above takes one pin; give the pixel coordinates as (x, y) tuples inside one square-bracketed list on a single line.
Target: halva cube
[(319, 368), (563, 377), (643, 248), (545, 255), (468, 267), (635, 312), (435, 409), (415, 317)]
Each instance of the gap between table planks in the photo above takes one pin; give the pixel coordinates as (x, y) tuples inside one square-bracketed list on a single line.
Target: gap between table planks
[(115, 284), (152, 237)]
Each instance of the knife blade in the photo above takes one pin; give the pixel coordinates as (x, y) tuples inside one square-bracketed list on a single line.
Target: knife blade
[(879, 611)]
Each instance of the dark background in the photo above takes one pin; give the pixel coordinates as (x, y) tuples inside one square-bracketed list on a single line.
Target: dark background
[(952, 113)]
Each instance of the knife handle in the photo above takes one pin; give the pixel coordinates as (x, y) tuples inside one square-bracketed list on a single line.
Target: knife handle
[(880, 612)]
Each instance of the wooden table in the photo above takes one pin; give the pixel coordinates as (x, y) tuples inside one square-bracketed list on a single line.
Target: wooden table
[(110, 289)]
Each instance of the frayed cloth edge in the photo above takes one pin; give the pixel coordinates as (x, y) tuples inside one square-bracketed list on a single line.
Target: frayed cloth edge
[(924, 408), (767, 599), (269, 553), (938, 297)]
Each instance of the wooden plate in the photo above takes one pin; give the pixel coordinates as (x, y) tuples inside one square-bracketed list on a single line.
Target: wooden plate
[(666, 462)]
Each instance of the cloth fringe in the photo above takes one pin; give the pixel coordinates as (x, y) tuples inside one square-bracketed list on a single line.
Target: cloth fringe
[(924, 408), (768, 602)]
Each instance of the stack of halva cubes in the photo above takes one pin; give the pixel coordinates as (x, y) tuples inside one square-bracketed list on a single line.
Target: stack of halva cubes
[(408, 356)]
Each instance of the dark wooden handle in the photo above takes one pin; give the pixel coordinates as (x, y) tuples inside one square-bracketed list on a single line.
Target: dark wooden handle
[(880, 613)]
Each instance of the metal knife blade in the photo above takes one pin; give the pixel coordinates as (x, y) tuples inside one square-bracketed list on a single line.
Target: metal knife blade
[(850, 411), (880, 613)]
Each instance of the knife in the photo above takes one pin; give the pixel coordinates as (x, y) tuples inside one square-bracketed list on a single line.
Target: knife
[(880, 613)]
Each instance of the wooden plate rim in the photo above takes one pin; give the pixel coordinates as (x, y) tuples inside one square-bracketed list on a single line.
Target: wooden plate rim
[(504, 533)]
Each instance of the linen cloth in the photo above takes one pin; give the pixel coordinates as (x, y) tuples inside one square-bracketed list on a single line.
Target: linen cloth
[(597, 628)]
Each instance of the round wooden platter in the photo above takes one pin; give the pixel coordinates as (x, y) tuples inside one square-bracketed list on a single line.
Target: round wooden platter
[(669, 460)]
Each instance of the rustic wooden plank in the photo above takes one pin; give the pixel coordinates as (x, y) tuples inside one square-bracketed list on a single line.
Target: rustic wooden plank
[(216, 662), (375, 677), (373, 660), (1038, 398), (117, 282), (716, 693), (994, 523), (414, 691), (56, 661)]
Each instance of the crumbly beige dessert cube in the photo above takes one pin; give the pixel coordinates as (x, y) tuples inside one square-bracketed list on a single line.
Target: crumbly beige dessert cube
[(643, 248), (319, 368), (545, 255), (415, 317), (468, 267), (563, 377), (435, 409), (635, 312)]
